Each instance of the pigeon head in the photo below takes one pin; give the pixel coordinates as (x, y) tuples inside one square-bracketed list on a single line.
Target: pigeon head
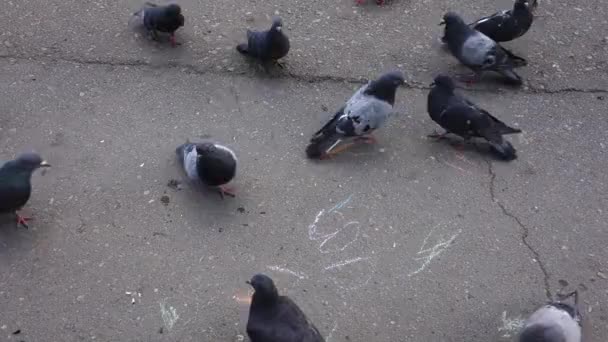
[(521, 4), (29, 162), (277, 24), (384, 88), (444, 81), (264, 287), (173, 10), (452, 19)]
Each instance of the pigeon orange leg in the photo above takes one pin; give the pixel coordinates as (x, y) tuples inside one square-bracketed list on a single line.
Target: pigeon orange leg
[(22, 220), (469, 79), (224, 190), (172, 40), (438, 135), (333, 152), (367, 139)]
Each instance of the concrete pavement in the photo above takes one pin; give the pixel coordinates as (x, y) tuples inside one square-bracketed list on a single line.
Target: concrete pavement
[(409, 240)]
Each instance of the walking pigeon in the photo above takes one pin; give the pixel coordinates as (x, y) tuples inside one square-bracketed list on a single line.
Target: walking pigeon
[(15, 183), (155, 18), (507, 25), (378, 2), (459, 116), (210, 163), (269, 45), (554, 322), (478, 52), (363, 113), (274, 318)]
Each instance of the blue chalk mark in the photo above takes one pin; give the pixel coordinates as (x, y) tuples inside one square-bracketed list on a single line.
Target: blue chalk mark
[(340, 205)]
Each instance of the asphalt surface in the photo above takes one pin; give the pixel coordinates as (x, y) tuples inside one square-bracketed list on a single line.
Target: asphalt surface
[(408, 240)]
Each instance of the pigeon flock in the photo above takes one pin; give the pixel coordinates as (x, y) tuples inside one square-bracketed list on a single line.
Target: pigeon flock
[(275, 318)]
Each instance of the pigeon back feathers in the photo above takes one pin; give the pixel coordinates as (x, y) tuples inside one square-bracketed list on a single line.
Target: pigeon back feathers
[(554, 322), (275, 318), (209, 162), (507, 25)]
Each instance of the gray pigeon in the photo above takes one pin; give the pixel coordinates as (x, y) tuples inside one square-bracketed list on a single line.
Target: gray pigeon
[(364, 112), (274, 318), (458, 115), (507, 25), (156, 19), (15, 183), (478, 52), (210, 163), (554, 322), (269, 45)]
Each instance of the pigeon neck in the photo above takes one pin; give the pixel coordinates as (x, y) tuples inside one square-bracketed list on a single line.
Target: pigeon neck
[(266, 300), (382, 93)]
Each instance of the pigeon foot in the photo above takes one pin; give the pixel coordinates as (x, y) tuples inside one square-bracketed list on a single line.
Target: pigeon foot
[(22, 221)]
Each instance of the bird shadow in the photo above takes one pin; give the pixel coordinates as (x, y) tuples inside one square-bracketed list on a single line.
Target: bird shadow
[(13, 238)]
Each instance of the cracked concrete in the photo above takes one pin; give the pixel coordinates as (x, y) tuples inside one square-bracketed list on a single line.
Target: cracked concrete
[(107, 108)]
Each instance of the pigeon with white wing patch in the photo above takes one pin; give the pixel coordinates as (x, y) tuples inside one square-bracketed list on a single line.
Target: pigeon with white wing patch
[(363, 113), (210, 163)]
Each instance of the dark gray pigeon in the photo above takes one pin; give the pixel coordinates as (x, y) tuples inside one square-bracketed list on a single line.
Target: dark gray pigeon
[(478, 52), (507, 25), (210, 163), (364, 112), (459, 116), (269, 45), (154, 19), (554, 322), (274, 318), (15, 183)]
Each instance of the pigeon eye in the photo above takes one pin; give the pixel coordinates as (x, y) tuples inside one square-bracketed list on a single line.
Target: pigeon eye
[(366, 128)]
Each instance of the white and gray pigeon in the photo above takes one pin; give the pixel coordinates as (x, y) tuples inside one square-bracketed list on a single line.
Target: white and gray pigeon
[(275, 318), (15, 183), (457, 115), (509, 24), (478, 52), (210, 163), (363, 113), (269, 45), (554, 322)]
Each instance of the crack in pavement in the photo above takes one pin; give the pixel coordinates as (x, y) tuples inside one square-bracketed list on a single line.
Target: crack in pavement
[(410, 84), (524, 228)]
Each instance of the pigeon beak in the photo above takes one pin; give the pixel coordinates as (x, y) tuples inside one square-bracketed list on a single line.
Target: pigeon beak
[(432, 84), (279, 28), (44, 163), (248, 283), (442, 22)]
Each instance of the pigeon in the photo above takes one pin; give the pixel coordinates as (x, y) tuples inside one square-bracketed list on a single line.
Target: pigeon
[(477, 51), (210, 163), (269, 45), (554, 322), (363, 113), (274, 318), (156, 19), (15, 183), (458, 115), (507, 25)]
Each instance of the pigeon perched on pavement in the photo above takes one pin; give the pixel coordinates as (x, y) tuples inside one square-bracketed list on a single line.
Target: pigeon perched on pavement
[(274, 318), (459, 116), (478, 52), (378, 2), (507, 25), (155, 18), (363, 113), (15, 183), (554, 322), (210, 163), (269, 45)]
